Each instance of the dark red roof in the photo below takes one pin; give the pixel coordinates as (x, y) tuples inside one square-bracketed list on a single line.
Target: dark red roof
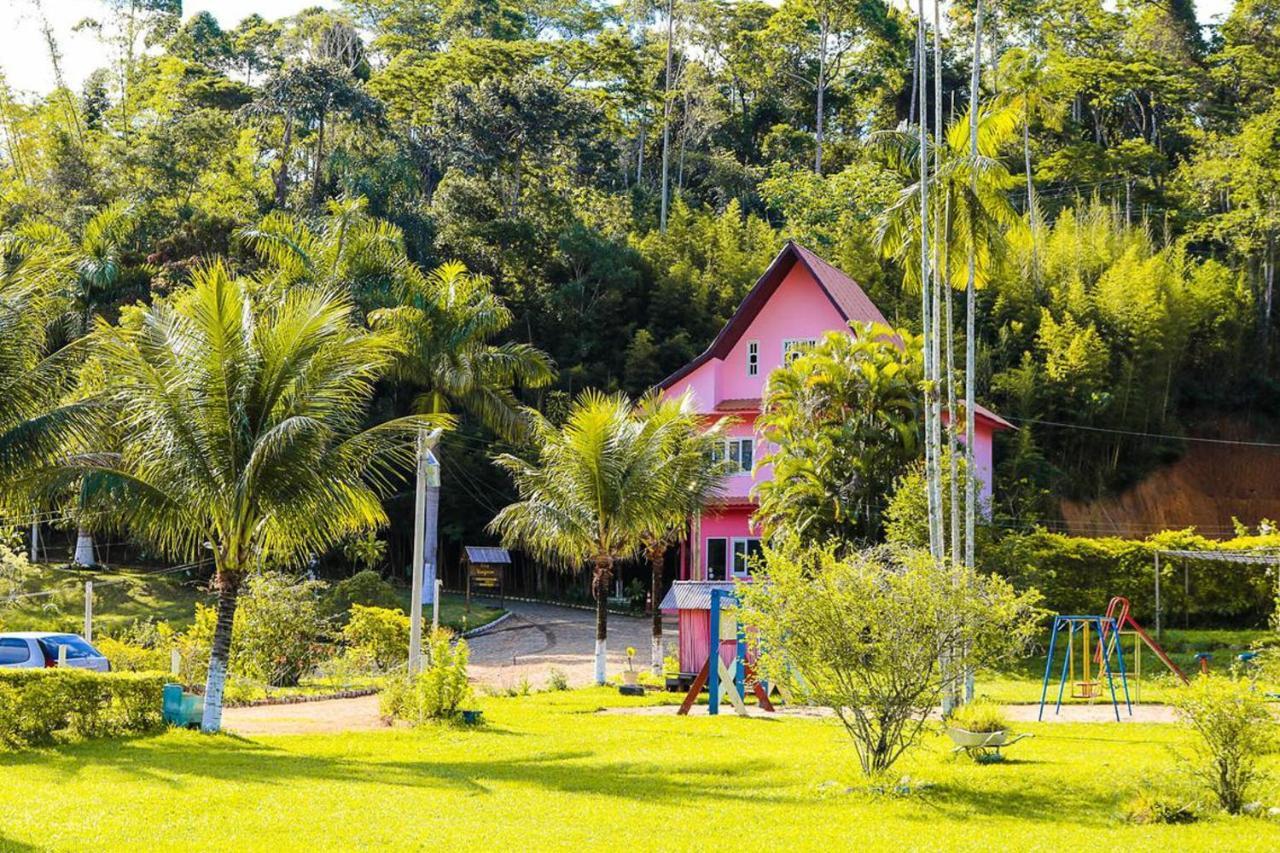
[(849, 300), (739, 404)]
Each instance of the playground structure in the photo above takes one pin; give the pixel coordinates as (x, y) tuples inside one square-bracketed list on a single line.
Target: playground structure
[(727, 679), (1111, 629)]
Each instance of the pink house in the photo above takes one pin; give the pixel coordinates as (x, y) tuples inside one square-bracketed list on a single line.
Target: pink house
[(798, 299)]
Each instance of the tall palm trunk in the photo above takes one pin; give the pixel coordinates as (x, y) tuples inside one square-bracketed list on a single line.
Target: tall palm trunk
[(971, 300), (228, 584), (657, 564), (600, 586), (282, 176), (823, 36), (666, 121), (926, 308), (939, 280)]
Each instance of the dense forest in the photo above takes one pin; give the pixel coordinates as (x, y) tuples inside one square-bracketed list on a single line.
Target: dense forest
[(616, 176)]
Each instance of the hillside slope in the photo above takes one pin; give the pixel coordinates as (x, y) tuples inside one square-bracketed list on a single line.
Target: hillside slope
[(1204, 489)]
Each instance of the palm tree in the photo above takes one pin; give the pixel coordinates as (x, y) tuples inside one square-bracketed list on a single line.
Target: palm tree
[(34, 373), (346, 249), (445, 321), (595, 486), (238, 426), (970, 200), (690, 483), (92, 265), (1031, 88)]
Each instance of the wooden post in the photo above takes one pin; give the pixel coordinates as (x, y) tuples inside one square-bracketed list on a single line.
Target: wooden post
[(1158, 637)]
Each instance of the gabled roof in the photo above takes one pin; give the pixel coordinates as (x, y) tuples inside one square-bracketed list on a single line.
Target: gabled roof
[(482, 554), (693, 595), (846, 296)]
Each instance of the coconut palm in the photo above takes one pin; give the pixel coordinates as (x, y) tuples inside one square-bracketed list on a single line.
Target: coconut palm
[(237, 428), (91, 267), (346, 249), (445, 322), (594, 487), (691, 481), (34, 374)]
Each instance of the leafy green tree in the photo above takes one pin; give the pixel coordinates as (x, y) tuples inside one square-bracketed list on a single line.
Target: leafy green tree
[(844, 420), (863, 634), (595, 486), (239, 427)]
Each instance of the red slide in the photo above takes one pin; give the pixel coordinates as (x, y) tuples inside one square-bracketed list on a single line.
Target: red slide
[(1118, 610)]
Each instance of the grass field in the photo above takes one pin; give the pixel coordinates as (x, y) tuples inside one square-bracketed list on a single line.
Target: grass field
[(123, 596), (548, 772)]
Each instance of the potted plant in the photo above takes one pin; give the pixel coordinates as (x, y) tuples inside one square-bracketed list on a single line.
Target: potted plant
[(629, 675), (981, 729), (671, 669)]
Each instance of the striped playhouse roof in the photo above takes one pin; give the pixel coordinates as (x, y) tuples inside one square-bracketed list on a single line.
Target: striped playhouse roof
[(693, 595), (481, 554)]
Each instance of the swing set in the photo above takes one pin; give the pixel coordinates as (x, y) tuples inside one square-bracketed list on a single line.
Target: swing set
[(1110, 630)]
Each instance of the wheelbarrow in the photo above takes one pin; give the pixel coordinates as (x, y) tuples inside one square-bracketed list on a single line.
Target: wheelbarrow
[(983, 747)]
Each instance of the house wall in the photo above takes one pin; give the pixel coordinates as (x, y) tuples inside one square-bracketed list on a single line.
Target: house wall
[(725, 522), (797, 309)]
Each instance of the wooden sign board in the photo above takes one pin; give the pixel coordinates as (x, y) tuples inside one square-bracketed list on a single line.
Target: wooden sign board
[(486, 576)]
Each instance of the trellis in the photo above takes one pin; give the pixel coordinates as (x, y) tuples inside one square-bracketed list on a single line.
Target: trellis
[(1255, 556)]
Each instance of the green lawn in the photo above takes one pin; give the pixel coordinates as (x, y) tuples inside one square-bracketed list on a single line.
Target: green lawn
[(453, 610), (549, 772), (121, 596), (124, 595)]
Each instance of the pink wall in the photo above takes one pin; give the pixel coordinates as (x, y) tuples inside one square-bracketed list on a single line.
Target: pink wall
[(726, 523), (799, 308)]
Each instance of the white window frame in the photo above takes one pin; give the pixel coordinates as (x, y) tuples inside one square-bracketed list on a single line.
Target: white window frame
[(753, 358), (793, 347), (720, 452), (732, 555)]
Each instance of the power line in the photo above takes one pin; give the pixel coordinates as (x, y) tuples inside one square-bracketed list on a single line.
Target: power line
[(1166, 436)]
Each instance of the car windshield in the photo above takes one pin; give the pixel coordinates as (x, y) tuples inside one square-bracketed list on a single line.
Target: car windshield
[(77, 649)]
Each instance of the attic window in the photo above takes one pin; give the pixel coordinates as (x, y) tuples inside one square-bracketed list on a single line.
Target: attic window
[(753, 358), (793, 348)]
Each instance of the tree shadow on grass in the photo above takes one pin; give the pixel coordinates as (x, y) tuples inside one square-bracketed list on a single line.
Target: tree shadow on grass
[(187, 761)]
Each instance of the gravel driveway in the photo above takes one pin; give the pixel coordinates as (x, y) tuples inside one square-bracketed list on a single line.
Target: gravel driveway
[(539, 637)]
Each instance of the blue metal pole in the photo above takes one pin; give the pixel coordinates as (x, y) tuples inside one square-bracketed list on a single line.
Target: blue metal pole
[(740, 668), (1124, 676), (1066, 661), (1044, 688), (713, 656), (1111, 681)]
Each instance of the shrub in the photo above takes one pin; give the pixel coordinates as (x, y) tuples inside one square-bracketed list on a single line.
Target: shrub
[(378, 632), (437, 691), (980, 717), (863, 635), (127, 657), (557, 680), (279, 632), (1152, 807), (38, 704), (366, 588), (1234, 729)]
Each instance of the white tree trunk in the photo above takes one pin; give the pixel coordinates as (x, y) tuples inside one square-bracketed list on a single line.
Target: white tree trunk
[(84, 548), (658, 654), (600, 661)]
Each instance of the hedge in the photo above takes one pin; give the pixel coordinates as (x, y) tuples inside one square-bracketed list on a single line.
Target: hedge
[(1080, 575), (38, 705)]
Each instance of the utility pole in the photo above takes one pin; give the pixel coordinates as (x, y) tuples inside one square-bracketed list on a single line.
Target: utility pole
[(35, 541), (427, 467)]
